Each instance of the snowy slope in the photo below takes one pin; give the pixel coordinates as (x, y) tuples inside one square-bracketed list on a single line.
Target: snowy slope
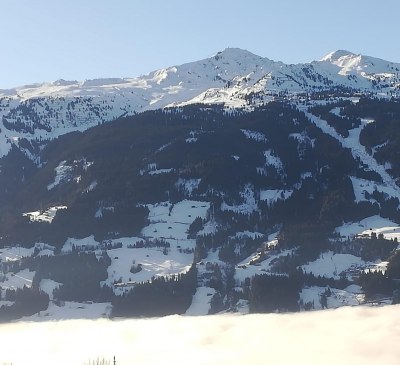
[(369, 68)]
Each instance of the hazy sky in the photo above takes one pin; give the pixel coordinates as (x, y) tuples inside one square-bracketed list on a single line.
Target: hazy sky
[(44, 40), (356, 336)]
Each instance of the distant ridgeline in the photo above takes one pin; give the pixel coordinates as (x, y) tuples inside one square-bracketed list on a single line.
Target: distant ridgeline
[(293, 205)]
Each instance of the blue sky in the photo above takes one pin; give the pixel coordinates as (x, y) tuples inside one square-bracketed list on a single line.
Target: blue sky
[(44, 40)]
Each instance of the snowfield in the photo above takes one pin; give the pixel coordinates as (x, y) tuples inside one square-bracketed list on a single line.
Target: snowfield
[(201, 302), (376, 224), (172, 222), (48, 286), (18, 280), (153, 261), (351, 296), (14, 253), (71, 310), (331, 265)]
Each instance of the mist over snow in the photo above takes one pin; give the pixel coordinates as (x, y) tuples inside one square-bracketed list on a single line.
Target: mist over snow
[(344, 336)]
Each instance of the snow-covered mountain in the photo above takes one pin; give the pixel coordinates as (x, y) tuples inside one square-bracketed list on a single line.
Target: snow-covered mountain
[(243, 205), (233, 77)]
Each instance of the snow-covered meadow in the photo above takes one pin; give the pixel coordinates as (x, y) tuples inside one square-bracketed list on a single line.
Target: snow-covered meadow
[(356, 336), (374, 224)]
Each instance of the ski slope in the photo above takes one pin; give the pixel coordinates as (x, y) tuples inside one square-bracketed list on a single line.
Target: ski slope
[(358, 151)]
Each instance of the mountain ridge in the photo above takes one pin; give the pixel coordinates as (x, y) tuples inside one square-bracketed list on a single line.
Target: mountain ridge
[(234, 78), (233, 54)]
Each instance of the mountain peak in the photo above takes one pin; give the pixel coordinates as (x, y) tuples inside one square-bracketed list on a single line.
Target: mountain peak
[(235, 53), (336, 55)]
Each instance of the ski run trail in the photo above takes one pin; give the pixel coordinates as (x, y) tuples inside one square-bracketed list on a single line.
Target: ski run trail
[(358, 151)]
